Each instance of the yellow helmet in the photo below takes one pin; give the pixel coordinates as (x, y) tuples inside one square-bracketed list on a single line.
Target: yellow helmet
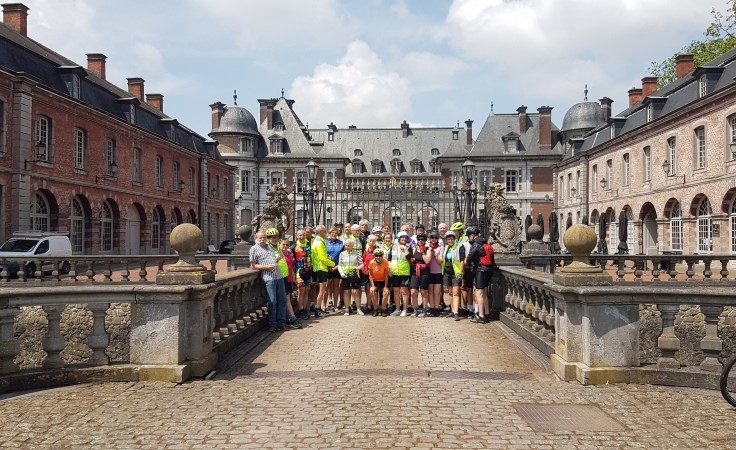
[(272, 232), (457, 226)]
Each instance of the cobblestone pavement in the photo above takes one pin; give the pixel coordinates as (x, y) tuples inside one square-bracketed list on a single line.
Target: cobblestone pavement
[(365, 382)]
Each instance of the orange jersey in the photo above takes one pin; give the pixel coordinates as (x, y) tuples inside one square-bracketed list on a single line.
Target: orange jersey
[(379, 272)]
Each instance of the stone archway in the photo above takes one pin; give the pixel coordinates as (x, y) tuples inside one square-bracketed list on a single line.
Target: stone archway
[(650, 234)]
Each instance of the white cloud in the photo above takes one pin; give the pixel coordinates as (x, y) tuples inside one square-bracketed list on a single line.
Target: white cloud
[(431, 72), (358, 90)]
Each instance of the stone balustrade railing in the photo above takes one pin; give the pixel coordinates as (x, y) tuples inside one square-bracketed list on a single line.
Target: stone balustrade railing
[(650, 268), (101, 268)]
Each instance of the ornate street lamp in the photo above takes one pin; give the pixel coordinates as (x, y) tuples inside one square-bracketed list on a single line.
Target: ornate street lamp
[(666, 167), (604, 183), (310, 195), (465, 199)]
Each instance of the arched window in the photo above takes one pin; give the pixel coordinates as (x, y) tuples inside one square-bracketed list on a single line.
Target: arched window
[(612, 233), (76, 220), (358, 152), (40, 214), (435, 152), (106, 228), (396, 152), (173, 220), (705, 222), (676, 227), (155, 230), (357, 166), (732, 223)]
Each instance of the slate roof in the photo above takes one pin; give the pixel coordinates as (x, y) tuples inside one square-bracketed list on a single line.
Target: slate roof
[(22, 55), (490, 138)]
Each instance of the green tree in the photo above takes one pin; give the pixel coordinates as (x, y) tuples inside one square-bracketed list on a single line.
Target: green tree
[(720, 37)]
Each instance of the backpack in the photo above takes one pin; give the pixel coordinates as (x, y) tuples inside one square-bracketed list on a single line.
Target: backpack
[(487, 259)]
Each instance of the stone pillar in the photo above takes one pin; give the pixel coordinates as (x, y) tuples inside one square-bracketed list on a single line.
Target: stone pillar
[(171, 328), (597, 336)]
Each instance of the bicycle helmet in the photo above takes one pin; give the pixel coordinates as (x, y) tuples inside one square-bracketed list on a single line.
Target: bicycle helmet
[(472, 230), (378, 252), (421, 236), (272, 232), (457, 226), (402, 234), (377, 229), (450, 234)]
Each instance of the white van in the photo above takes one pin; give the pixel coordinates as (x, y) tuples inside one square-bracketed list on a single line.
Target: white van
[(36, 243)]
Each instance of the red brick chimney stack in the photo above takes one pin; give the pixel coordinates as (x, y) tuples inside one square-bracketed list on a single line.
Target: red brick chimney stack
[(156, 101), (634, 96), (545, 128), (469, 132), (15, 15), (218, 109), (135, 87), (684, 63), (522, 119), (96, 64), (267, 106), (648, 86)]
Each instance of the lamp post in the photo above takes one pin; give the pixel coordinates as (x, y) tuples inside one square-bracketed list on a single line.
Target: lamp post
[(310, 194), (666, 167), (466, 198)]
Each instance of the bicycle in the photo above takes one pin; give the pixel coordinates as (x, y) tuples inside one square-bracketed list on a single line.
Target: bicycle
[(728, 386)]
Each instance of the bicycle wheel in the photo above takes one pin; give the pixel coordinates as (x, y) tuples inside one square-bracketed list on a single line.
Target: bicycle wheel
[(728, 382)]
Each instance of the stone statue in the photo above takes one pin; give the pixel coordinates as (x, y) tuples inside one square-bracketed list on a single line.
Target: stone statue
[(276, 212), (503, 224)]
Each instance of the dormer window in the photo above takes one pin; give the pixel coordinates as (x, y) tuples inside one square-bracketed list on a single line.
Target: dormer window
[(650, 112), (702, 86), (396, 152), (72, 79), (376, 166), (435, 152), (246, 145), (435, 166), (396, 167), (416, 166), (357, 166), (277, 146), (511, 143), (358, 152), (511, 146), (278, 126), (76, 86)]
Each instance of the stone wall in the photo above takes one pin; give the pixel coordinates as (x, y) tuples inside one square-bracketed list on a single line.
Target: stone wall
[(689, 328), (76, 325)]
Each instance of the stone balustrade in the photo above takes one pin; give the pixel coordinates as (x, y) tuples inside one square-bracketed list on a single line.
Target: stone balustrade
[(170, 329)]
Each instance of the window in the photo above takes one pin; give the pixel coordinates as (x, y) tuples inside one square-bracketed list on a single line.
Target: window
[(276, 178), (594, 178), (435, 167), (395, 167), (301, 182), (416, 166), (40, 214), (245, 185), (43, 139), (155, 230), (246, 145), (702, 86), (76, 232), (626, 169), (75, 87), (80, 148), (676, 227), (376, 167), (106, 228), (731, 137), (192, 181), (358, 152), (276, 147), (329, 180), (732, 225), (700, 148), (435, 152), (577, 182), (175, 177), (672, 153), (278, 126), (159, 171), (137, 164), (609, 174), (396, 152), (650, 112), (225, 189), (512, 146), (647, 169), (110, 157), (131, 114), (216, 193), (512, 179), (705, 225), (2, 126), (357, 166)]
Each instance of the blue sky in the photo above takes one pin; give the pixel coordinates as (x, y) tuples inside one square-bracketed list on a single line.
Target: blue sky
[(374, 63)]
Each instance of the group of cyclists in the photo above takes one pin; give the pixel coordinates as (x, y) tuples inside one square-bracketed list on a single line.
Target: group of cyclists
[(406, 274)]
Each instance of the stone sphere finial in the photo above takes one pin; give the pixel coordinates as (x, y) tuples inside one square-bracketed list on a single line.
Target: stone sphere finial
[(186, 238), (244, 232), (580, 240), (535, 232)]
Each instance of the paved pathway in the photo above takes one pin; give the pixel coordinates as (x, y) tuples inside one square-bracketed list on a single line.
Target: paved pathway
[(364, 382)]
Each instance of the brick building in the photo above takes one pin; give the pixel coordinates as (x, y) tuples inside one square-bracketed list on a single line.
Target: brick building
[(79, 154), (664, 167)]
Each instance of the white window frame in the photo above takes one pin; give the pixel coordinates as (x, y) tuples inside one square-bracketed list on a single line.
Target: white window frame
[(672, 153), (110, 156), (647, 159), (626, 169), (137, 164), (43, 136), (705, 227), (106, 218), (676, 227), (511, 178), (80, 148), (700, 147), (76, 227), (159, 171), (245, 181)]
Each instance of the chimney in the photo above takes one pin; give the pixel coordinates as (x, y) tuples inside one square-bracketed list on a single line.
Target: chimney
[(135, 87), (545, 128), (469, 132), (685, 63), (404, 129), (15, 15), (634, 96), (218, 109), (96, 64), (648, 85), (267, 111), (156, 101), (522, 119), (606, 108)]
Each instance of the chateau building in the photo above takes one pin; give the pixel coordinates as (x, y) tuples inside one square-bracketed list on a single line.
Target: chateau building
[(105, 164), (663, 168)]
